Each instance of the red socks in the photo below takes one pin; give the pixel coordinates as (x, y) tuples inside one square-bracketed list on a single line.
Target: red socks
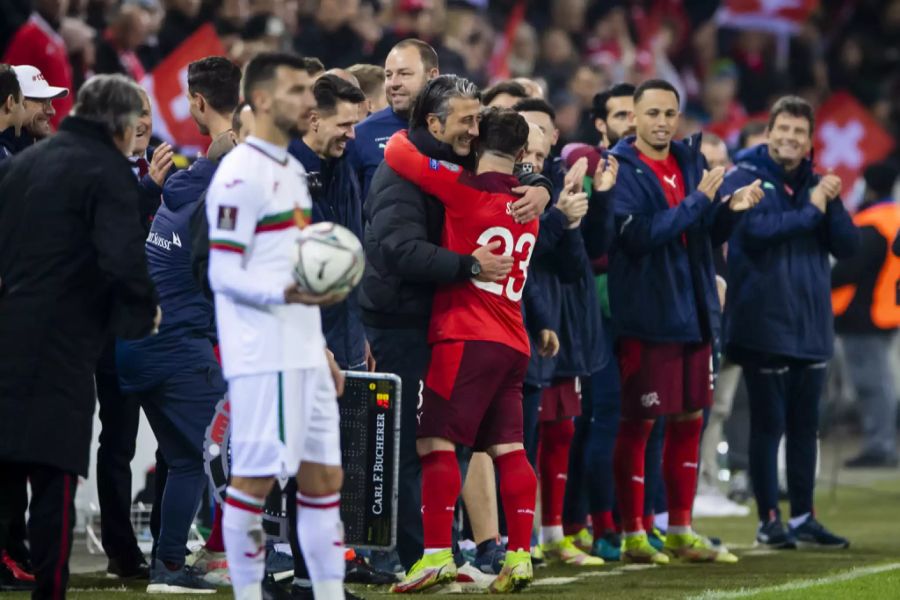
[(602, 522), (441, 486), (215, 543), (553, 461), (628, 470), (518, 489), (680, 457)]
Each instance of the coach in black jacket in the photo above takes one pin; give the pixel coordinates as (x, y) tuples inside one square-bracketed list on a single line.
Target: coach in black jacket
[(405, 261), (72, 270)]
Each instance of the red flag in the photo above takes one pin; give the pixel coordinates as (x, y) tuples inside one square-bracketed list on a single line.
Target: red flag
[(167, 86), (770, 15), (848, 138), (498, 67)]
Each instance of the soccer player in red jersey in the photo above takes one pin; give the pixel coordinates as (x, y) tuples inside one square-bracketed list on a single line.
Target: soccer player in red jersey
[(473, 388), (665, 307)]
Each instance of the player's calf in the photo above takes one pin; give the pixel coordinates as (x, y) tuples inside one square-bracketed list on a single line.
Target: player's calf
[(319, 527)]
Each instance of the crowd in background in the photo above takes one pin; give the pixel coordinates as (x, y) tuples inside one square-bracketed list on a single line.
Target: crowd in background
[(575, 48)]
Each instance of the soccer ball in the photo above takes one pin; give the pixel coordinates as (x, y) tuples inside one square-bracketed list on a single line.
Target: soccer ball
[(329, 257)]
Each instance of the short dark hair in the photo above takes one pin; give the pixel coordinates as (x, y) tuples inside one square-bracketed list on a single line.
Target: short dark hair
[(113, 101), (236, 116), (510, 88), (655, 84), (314, 66), (426, 52), (331, 89), (616, 91), (218, 80), (436, 95), (370, 78), (502, 130), (751, 128), (794, 106), (535, 105), (9, 85), (261, 70), (881, 177)]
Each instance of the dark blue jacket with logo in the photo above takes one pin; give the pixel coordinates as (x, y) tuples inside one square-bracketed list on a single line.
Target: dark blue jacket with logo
[(662, 281), (779, 276), (187, 332), (338, 200), (366, 152)]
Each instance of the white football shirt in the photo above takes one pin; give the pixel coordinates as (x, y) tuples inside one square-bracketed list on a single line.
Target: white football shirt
[(257, 203)]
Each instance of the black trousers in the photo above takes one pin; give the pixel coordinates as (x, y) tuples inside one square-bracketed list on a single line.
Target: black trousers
[(119, 417), (51, 522), (405, 352)]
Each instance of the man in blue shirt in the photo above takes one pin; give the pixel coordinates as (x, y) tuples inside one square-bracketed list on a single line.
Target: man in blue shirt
[(779, 325), (408, 67)]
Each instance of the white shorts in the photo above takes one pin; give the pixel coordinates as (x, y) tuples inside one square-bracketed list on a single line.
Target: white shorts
[(281, 419)]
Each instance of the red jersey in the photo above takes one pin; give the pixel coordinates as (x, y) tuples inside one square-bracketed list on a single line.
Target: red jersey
[(477, 212), (669, 174)]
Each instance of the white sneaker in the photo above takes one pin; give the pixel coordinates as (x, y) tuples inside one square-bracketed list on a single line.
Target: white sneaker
[(471, 579), (213, 566)]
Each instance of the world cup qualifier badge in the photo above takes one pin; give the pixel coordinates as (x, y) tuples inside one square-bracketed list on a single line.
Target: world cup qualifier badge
[(227, 218), (217, 458)]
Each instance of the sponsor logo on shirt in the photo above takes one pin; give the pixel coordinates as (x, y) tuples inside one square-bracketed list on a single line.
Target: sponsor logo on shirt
[(176, 241), (670, 180), (161, 242)]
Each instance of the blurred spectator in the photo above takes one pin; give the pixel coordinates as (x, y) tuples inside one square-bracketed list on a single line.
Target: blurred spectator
[(558, 58), (371, 82), (534, 88), (409, 19), (613, 113), (715, 151), (524, 52), (722, 113), (116, 47), (753, 54), (180, 22), (329, 35), (12, 107), (586, 83), (752, 134), (504, 94), (263, 32), (39, 43), (864, 296), (80, 39)]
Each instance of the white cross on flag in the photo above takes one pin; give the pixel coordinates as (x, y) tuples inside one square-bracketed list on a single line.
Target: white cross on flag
[(848, 138)]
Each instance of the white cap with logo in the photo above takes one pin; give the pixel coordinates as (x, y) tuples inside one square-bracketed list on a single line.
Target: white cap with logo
[(34, 85)]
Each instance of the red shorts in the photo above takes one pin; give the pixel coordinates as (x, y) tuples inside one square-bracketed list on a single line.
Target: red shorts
[(664, 378), (560, 400), (473, 394)]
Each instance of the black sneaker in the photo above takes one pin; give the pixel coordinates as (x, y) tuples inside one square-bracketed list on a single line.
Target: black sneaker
[(872, 461), (489, 557), (10, 583), (359, 571), (133, 571), (774, 535), (182, 581), (812, 534), (272, 590)]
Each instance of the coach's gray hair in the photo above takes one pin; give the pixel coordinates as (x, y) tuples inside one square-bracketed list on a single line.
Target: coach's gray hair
[(113, 101), (434, 99)]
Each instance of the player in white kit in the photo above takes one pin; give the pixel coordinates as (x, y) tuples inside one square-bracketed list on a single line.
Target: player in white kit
[(282, 384)]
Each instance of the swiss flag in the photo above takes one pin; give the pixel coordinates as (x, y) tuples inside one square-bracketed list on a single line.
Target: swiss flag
[(769, 15), (848, 138), (167, 86)]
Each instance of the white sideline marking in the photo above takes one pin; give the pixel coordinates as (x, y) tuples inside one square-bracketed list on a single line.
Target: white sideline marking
[(800, 584), (554, 580)]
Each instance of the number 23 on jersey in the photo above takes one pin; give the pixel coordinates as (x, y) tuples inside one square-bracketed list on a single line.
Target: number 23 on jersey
[(520, 249)]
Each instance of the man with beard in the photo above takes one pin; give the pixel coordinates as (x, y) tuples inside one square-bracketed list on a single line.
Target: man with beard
[(668, 217), (38, 104), (282, 382), (780, 326)]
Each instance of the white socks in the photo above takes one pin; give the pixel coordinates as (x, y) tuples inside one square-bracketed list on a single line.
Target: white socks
[(245, 543), (321, 536), (553, 533)]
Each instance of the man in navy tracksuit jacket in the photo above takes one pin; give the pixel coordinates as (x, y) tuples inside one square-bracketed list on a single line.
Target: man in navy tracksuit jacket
[(779, 323), (175, 374), (336, 198), (666, 312)]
